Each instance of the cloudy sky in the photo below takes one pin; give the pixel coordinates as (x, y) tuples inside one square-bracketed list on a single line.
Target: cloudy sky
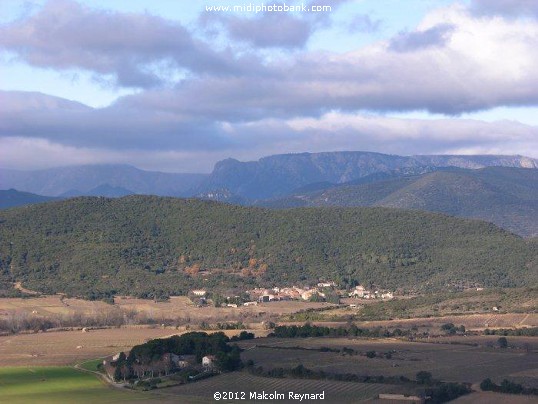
[(168, 85)]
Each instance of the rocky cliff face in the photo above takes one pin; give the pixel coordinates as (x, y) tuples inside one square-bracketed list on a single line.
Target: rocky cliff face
[(278, 175)]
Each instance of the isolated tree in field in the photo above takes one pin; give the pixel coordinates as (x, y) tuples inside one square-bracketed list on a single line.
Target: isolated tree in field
[(503, 342), (449, 328), (424, 377), (487, 385)]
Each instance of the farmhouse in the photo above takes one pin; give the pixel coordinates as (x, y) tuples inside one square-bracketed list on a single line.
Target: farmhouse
[(199, 292), (208, 361)]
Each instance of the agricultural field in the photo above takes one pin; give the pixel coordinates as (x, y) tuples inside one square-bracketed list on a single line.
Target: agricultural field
[(472, 322), (57, 385), (126, 310), (69, 347), (335, 391), (66, 385), (487, 397), (446, 362)]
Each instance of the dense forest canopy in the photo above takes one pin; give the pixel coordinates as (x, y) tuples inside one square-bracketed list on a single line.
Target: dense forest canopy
[(155, 246)]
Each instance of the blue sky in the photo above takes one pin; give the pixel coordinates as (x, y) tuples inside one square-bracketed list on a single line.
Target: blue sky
[(165, 85)]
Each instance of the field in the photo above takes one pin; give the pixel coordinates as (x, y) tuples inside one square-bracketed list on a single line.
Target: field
[(21, 385), (56, 385), (177, 310), (335, 392), (39, 364), (472, 322), (447, 362), (69, 347)]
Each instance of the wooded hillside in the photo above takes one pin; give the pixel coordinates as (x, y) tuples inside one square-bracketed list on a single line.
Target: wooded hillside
[(153, 246)]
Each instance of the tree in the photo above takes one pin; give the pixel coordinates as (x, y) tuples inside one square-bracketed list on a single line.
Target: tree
[(117, 374), (424, 377), (487, 385), (449, 328), (503, 342), (511, 388)]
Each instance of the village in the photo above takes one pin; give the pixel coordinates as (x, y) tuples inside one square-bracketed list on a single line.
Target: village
[(323, 291)]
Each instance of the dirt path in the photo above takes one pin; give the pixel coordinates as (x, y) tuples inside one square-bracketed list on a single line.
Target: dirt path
[(100, 375)]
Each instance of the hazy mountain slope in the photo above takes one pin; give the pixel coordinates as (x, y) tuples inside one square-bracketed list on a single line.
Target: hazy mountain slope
[(11, 198), (145, 245), (505, 196), (279, 175), (58, 181), (102, 190)]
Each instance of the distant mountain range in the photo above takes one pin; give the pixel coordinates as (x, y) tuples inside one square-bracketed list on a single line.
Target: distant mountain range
[(269, 177), (11, 198), (279, 175), (99, 179), (500, 189)]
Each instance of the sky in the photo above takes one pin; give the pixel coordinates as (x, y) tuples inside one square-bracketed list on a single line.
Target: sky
[(177, 85)]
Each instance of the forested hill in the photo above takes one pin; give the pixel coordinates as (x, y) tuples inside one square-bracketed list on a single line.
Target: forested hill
[(505, 196), (155, 246), (10, 198)]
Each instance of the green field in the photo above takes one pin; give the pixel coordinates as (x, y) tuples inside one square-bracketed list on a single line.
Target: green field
[(91, 365), (57, 385)]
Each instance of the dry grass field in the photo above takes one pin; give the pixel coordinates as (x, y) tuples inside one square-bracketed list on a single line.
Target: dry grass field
[(459, 363), (472, 322), (62, 348), (179, 309), (69, 347)]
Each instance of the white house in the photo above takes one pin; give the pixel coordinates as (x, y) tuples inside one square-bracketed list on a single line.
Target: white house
[(208, 361), (326, 284), (199, 292)]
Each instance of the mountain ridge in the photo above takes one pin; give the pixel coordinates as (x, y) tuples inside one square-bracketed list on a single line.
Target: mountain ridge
[(278, 175), (85, 178), (505, 196)]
